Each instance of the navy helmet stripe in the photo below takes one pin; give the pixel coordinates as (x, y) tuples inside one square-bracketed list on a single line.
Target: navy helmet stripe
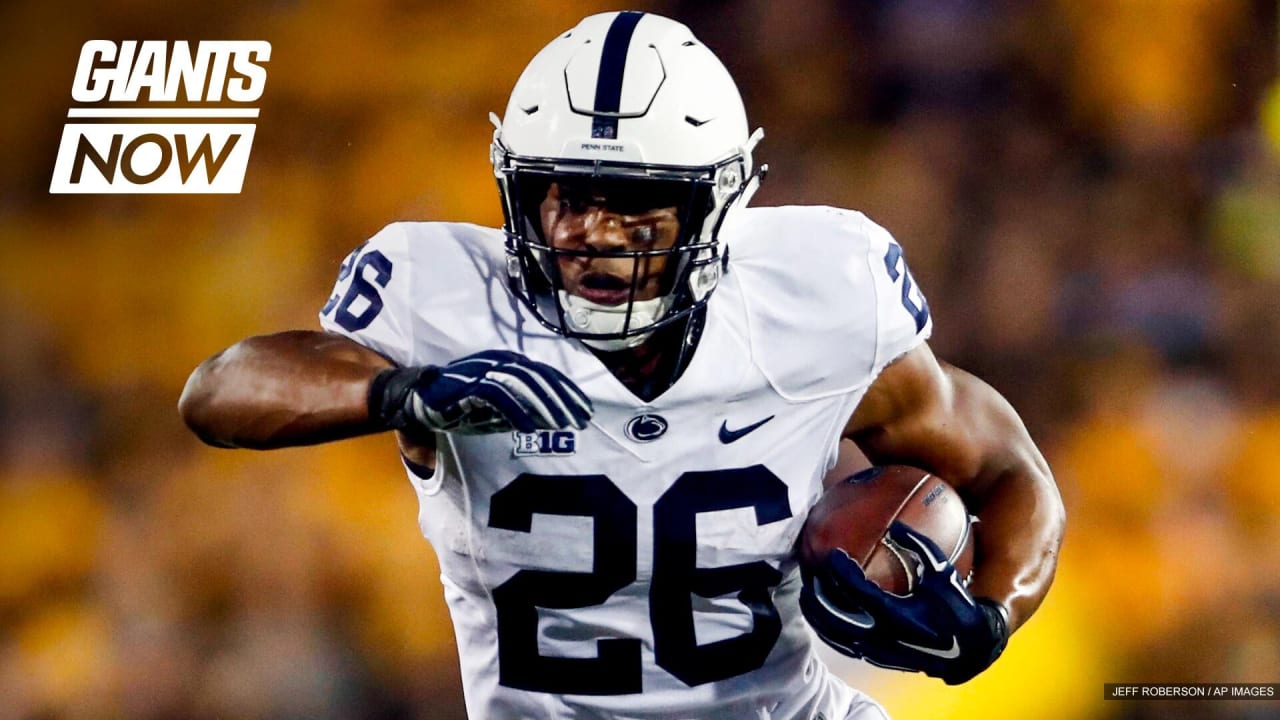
[(613, 60)]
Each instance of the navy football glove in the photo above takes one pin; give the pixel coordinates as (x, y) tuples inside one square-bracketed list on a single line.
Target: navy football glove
[(939, 628), (491, 391)]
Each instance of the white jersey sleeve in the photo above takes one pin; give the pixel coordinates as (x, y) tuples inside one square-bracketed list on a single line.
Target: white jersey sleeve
[(370, 300), (829, 300), (903, 319), (428, 293)]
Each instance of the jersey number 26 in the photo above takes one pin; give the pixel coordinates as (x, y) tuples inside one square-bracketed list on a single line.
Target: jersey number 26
[(676, 577)]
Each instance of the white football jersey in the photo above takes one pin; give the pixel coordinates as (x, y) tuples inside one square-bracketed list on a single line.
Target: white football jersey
[(644, 567)]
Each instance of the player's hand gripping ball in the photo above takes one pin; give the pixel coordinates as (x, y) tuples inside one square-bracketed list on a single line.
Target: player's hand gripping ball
[(855, 515), (879, 585), (490, 391)]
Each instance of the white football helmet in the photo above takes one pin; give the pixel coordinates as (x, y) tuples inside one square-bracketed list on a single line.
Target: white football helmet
[(634, 100)]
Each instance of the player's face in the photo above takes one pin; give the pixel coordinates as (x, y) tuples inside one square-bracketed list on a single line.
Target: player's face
[(585, 218)]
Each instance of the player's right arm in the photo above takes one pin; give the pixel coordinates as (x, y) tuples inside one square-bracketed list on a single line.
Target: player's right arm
[(292, 388), (302, 388), (366, 373)]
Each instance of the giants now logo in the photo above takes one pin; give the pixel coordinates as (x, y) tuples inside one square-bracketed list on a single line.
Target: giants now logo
[(161, 117)]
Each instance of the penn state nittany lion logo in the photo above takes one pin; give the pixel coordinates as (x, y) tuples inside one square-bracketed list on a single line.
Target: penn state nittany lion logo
[(646, 428)]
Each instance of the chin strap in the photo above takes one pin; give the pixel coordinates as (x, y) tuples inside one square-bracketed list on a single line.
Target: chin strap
[(585, 316)]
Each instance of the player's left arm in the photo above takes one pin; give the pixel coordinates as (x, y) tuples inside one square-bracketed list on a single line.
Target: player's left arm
[(931, 415)]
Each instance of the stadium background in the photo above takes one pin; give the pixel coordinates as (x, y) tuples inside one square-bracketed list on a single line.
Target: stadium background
[(1088, 191)]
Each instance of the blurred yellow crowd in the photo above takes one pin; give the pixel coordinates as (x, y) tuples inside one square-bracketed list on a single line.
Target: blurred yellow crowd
[(1088, 192)]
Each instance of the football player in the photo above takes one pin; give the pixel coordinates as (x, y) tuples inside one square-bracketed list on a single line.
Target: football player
[(617, 411)]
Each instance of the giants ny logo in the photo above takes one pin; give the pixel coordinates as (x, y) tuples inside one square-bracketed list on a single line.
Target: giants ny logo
[(160, 117)]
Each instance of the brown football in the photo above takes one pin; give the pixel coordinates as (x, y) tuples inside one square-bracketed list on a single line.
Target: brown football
[(855, 515)]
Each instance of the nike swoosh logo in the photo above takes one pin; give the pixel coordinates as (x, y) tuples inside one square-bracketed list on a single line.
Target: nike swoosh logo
[(950, 654), (727, 436)]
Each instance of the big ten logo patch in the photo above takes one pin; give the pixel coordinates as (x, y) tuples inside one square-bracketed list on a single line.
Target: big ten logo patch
[(161, 117), (545, 442)]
